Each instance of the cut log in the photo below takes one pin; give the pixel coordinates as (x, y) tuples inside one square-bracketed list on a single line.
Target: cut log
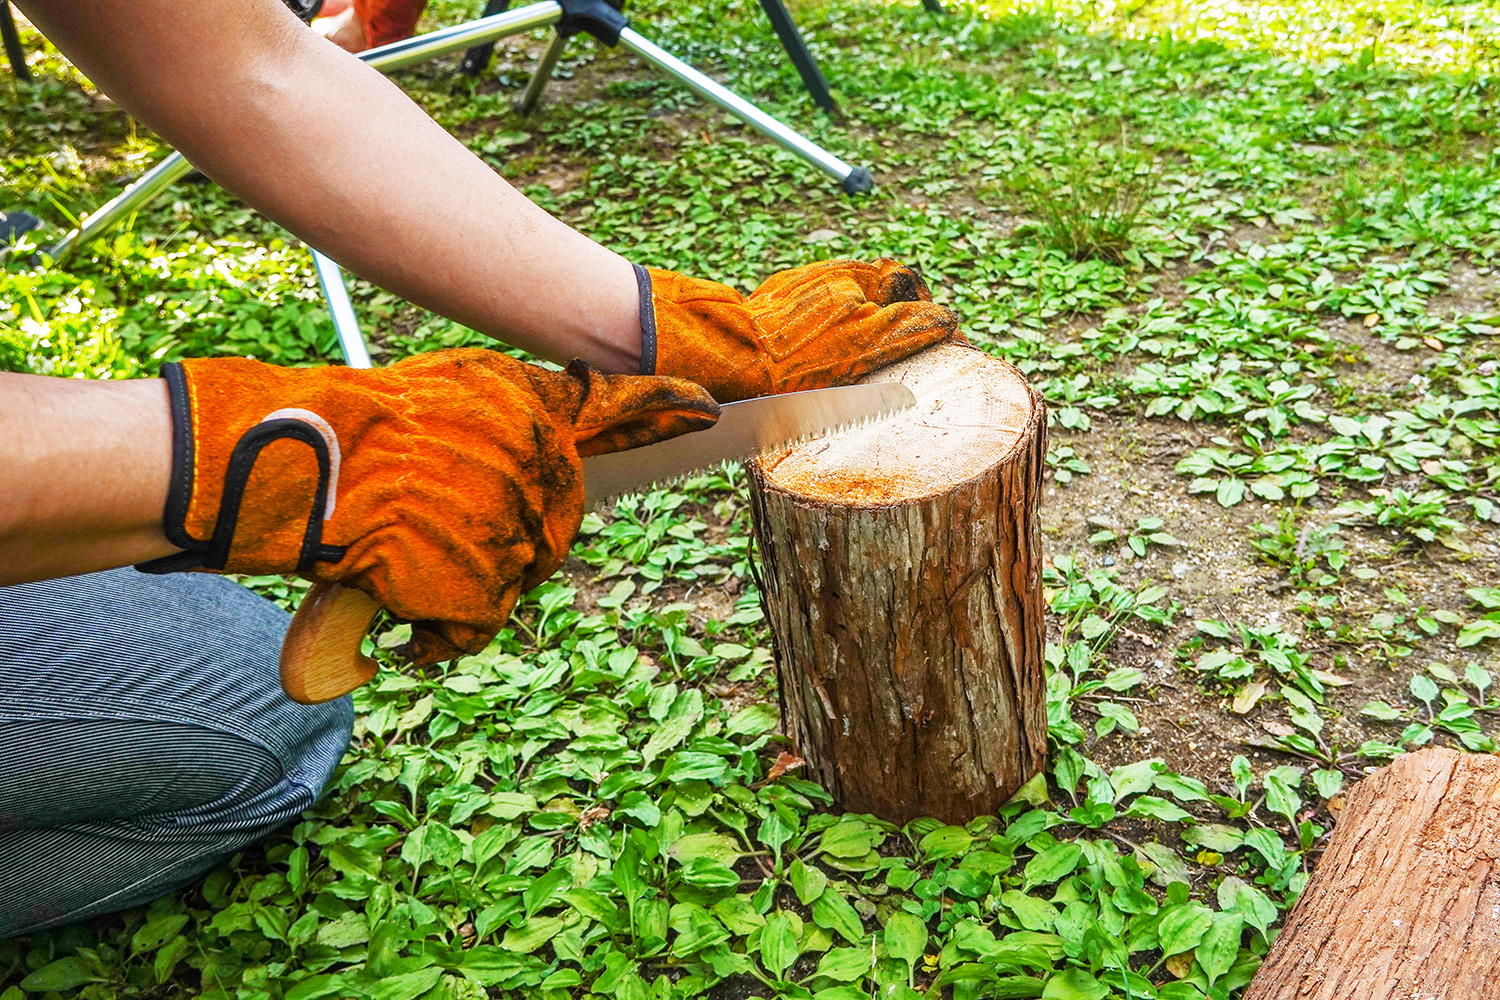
[(1406, 899), (902, 579)]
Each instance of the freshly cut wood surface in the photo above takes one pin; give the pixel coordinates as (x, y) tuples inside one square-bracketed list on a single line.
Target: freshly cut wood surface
[(902, 579), (1405, 902), (971, 411)]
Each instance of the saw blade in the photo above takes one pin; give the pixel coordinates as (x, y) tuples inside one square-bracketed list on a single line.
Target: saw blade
[(744, 430)]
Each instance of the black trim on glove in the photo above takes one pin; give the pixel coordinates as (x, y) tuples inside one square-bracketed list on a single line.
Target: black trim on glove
[(648, 321), (214, 552)]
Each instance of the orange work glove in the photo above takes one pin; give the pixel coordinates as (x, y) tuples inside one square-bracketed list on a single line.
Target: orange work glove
[(444, 486), (824, 324), (387, 21)]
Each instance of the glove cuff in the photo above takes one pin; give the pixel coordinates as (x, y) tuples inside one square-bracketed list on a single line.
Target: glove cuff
[(213, 552), (648, 320)]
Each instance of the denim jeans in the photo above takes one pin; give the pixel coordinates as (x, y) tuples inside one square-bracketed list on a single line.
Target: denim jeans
[(144, 738)]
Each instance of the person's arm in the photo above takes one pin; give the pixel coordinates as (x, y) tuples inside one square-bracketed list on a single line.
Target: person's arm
[(323, 144), (316, 140), (86, 467)]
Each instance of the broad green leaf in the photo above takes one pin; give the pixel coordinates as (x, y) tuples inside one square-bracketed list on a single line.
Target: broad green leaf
[(345, 930), (1238, 896), (1478, 631), (406, 985), (778, 944), (844, 965), (156, 932), (1230, 492), (1181, 788), (640, 807), (686, 765), (848, 839), (1220, 945), (808, 882), (718, 847), (1156, 807), (544, 890), (1053, 864), (1244, 777), (706, 873), (1479, 677), (1423, 689), (594, 905), (509, 805), (752, 720), (945, 842), (628, 875), (1182, 927), (1074, 984), (1328, 783), (1165, 865), (63, 974), (1215, 837), (531, 934), (695, 930), (489, 965), (1265, 842), (905, 937), (313, 987), (832, 910), (684, 716), (1281, 791), (1033, 913), (171, 953), (738, 914), (529, 853), (774, 832), (1133, 779)]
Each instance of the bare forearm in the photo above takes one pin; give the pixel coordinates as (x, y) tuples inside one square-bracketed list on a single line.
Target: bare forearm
[(85, 468), (329, 148)]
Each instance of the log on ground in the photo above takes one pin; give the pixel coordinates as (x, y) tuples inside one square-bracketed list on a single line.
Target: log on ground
[(902, 579), (1405, 902)]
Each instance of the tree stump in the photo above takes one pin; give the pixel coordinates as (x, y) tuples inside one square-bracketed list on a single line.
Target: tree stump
[(902, 578), (1405, 902)]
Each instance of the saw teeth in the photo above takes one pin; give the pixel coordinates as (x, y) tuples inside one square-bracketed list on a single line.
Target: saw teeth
[(608, 501)]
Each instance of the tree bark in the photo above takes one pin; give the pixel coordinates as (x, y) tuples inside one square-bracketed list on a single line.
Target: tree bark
[(1405, 902), (902, 579)]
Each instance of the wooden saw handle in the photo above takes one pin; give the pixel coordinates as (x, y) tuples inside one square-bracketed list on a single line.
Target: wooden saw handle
[(320, 656)]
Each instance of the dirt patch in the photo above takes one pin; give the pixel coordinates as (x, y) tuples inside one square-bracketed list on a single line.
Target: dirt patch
[(1217, 573), (1470, 290)]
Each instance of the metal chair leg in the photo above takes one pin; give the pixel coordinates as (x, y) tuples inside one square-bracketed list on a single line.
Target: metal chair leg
[(796, 48), (345, 324), (486, 30), (855, 180), (146, 187), (527, 102), (13, 43), (477, 58)]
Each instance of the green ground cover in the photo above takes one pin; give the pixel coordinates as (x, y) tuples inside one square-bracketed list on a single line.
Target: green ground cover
[(1248, 252)]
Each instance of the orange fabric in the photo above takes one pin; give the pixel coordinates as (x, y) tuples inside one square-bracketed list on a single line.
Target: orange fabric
[(459, 485), (388, 21), (824, 324)]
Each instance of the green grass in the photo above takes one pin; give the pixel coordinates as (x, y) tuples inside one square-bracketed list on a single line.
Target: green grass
[(1246, 248)]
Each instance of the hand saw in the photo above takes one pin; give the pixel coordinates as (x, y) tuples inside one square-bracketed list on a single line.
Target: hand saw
[(321, 658)]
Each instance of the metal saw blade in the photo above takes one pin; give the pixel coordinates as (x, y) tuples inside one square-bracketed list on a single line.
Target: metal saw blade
[(745, 429)]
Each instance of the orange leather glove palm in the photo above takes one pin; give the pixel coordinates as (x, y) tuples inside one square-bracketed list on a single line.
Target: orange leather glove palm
[(444, 486), (828, 323)]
